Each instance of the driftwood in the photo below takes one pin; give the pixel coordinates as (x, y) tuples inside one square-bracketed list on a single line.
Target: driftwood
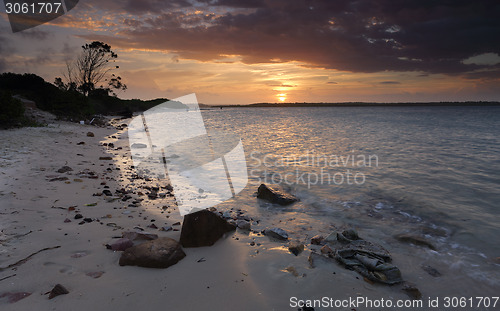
[(23, 261)]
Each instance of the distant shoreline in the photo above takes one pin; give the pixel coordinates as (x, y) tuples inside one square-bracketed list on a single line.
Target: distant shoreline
[(361, 104)]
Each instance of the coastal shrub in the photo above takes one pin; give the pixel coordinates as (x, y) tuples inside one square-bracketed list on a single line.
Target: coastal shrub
[(11, 110)]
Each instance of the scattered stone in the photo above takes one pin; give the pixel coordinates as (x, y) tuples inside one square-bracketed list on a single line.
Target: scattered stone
[(138, 145), (414, 239), (90, 134), (433, 272), (160, 253), (106, 192), (105, 158), (64, 169), (326, 250), (87, 219), (58, 290), (166, 228), (67, 220), (292, 270), (95, 275), (296, 248), (78, 216), (120, 245), (86, 173), (243, 224), (59, 179), (81, 143), (412, 291), (317, 239), (274, 195), (14, 297), (276, 233), (152, 226), (203, 228), (131, 235)]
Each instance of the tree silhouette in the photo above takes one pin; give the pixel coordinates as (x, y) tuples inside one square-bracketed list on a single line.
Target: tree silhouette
[(92, 67)]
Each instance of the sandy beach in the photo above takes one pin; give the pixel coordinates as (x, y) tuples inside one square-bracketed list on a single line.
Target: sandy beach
[(242, 271)]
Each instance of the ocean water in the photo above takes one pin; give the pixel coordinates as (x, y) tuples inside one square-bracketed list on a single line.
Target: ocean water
[(430, 172)]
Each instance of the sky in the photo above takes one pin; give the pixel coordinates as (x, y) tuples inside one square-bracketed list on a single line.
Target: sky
[(248, 51)]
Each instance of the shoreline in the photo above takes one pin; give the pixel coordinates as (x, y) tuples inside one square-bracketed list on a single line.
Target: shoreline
[(232, 274)]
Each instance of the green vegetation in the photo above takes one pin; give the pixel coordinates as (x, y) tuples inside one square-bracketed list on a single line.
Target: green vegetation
[(69, 103), (11, 110)]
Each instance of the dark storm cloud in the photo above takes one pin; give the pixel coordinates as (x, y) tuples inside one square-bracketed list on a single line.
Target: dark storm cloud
[(360, 36)]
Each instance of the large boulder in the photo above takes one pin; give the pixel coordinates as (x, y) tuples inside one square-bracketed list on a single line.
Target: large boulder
[(159, 253), (203, 228), (275, 195)]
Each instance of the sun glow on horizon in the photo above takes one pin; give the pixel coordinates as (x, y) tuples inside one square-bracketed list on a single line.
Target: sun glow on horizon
[(281, 97)]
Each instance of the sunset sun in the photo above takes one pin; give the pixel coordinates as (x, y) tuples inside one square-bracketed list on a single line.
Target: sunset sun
[(282, 97)]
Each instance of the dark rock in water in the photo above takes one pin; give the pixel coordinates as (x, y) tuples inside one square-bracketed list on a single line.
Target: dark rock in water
[(433, 272), (78, 216), (67, 220), (64, 169), (105, 158), (107, 193), (203, 228), (160, 253), (411, 290), (58, 290), (317, 239), (296, 248), (414, 239), (87, 219), (368, 259), (90, 134), (120, 245), (276, 233), (138, 145), (274, 195), (81, 143)]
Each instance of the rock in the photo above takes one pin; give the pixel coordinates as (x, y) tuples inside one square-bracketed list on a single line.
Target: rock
[(160, 253), (203, 228), (106, 192), (414, 239), (120, 245), (296, 248), (317, 239), (14, 297), (411, 290), (64, 169), (370, 260), (326, 250), (274, 195), (105, 158), (81, 143), (95, 275), (58, 290), (131, 235), (433, 272), (78, 216), (166, 228), (90, 134), (59, 179), (88, 219), (67, 220), (243, 224), (276, 233), (138, 145)]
